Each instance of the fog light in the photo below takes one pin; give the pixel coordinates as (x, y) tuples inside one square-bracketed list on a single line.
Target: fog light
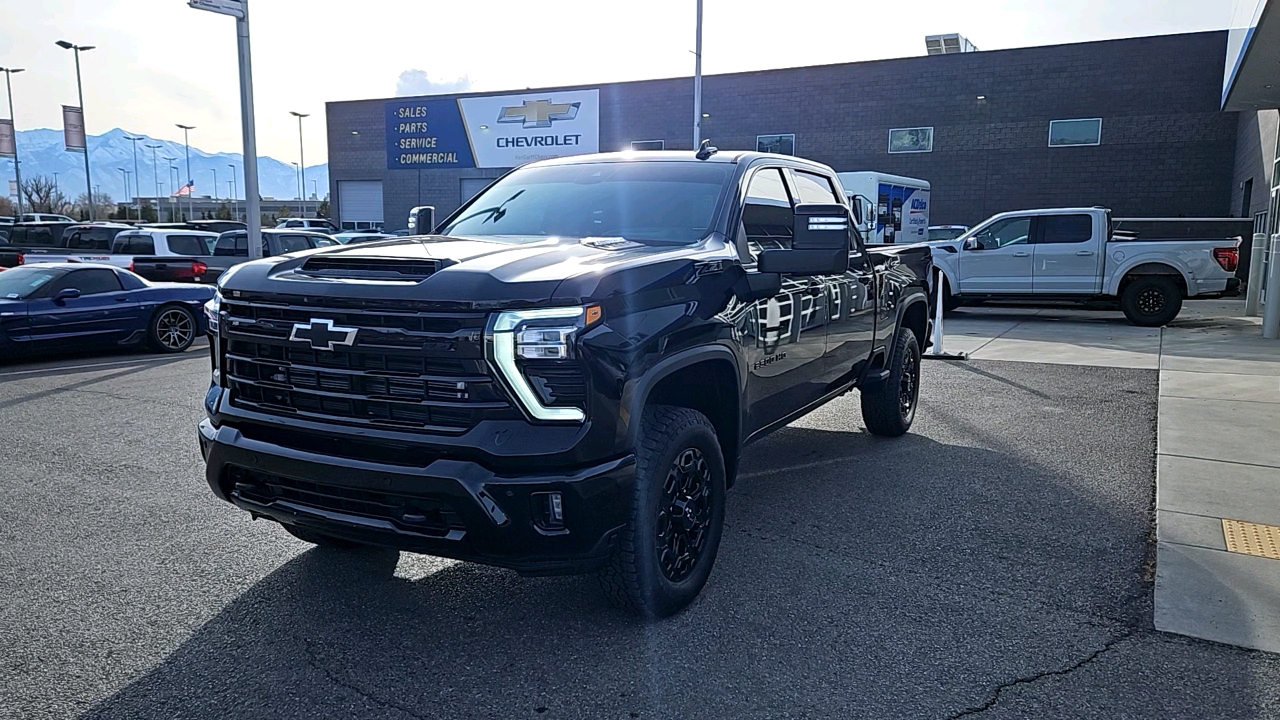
[(548, 510)]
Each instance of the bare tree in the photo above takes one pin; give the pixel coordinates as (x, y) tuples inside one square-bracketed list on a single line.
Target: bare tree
[(7, 208), (42, 195), (103, 206)]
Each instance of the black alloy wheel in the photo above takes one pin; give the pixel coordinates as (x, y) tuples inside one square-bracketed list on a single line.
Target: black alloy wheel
[(909, 387), (889, 407), (1151, 300), (684, 520)]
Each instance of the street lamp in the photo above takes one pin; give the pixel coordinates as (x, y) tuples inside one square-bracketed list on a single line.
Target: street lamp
[(17, 169), (296, 176), (302, 163), (125, 174), (215, 183), (173, 182), (235, 194), (191, 183), (155, 175), (137, 177), (88, 183)]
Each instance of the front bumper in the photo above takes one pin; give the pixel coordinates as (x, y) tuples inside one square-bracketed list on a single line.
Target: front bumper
[(492, 516)]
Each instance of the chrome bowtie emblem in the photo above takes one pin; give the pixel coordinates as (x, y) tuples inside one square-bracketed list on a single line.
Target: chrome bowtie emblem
[(322, 334)]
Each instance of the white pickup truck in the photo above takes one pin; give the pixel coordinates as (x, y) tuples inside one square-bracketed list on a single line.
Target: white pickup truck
[(1078, 254)]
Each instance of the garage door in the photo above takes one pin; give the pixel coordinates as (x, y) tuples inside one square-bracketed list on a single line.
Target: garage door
[(360, 202)]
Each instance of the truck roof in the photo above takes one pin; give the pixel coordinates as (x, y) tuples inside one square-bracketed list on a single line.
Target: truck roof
[(720, 156)]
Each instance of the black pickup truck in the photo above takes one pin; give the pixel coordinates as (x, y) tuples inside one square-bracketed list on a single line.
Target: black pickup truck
[(563, 379)]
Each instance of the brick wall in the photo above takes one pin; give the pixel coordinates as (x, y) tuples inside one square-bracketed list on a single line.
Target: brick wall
[(1255, 153), (1166, 148)]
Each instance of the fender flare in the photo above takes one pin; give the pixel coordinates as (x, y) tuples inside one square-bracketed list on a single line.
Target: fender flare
[(636, 394), (1113, 284)]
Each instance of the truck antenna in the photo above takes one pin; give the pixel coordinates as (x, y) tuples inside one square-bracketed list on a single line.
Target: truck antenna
[(706, 151)]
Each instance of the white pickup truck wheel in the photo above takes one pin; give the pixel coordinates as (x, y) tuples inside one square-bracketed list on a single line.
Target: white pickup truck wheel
[(1151, 300)]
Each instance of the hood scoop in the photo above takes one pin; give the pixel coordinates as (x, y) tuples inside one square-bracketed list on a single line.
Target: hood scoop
[(610, 243), (372, 268)]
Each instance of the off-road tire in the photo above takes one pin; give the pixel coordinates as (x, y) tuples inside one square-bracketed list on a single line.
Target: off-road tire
[(949, 302), (1151, 300), (635, 578), (889, 408), (320, 539), (171, 329)]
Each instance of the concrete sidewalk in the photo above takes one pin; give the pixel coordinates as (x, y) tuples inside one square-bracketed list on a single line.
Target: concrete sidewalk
[(1218, 455)]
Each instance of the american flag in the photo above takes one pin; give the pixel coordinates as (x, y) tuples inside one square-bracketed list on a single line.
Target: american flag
[(186, 189)]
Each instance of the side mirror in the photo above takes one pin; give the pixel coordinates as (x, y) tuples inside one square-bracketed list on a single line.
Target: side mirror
[(820, 243), (66, 294), (971, 244)]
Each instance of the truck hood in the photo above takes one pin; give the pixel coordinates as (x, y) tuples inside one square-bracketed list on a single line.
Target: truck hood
[(474, 272)]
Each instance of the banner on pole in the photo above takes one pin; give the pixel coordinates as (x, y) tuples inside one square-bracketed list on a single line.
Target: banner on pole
[(234, 8), (73, 128), (8, 148), (13, 188)]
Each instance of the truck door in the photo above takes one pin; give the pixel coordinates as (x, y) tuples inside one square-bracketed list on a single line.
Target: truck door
[(785, 335), (850, 299), (997, 260), (1068, 254)]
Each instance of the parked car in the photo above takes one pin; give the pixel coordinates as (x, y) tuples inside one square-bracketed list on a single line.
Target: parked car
[(562, 380), (82, 306), (946, 232), (159, 255), (31, 238), (44, 217), (1071, 254), (213, 226), (323, 225), (232, 248), (349, 236)]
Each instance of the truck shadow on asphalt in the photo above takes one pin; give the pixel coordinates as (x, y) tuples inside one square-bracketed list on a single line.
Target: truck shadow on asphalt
[(858, 577)]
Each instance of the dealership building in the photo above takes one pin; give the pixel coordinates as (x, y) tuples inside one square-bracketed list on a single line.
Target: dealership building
[(1136, 125)]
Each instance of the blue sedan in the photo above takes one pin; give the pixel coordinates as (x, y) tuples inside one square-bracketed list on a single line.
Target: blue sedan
[(82, 306)]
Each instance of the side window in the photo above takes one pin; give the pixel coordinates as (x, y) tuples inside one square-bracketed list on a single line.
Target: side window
[(122, 245), (143, 245), (767, 217), (1066, 228), (225, 246), (73, 240), (187, 245), (814, 188), (1013, 231), (242, 246), (92, 281)]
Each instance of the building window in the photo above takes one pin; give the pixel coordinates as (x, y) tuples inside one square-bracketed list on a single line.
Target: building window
[(648, 144), (911, 140), (778, 144), (1064, 133)]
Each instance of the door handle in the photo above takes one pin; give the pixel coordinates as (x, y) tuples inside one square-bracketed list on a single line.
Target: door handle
[(122, 299), (1022, 254), (1085, 253)]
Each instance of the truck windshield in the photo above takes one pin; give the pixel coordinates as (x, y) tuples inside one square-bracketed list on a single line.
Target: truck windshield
[(19, 283), (651, 202)]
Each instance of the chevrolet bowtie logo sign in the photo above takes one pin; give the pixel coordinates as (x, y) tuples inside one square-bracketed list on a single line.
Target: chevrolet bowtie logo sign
[(538, 113), (323, 334)]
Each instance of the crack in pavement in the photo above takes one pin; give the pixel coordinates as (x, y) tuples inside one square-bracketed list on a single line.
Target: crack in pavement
[(1031, 679), (315, 663)]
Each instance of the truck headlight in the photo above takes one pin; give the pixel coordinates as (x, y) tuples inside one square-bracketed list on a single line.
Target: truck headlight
[(541, 334), (211, 310)]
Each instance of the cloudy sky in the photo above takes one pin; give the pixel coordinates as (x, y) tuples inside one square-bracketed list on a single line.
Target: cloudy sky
[(159, 62)]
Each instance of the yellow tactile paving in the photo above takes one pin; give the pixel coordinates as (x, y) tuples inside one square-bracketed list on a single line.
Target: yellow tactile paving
[(1252, 538)]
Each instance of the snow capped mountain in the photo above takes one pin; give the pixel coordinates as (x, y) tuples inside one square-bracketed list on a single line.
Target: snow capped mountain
[(42, 153)]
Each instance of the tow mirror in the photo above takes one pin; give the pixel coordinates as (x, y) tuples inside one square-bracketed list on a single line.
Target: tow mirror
[(66, 294), (972, 244), (820, 242)]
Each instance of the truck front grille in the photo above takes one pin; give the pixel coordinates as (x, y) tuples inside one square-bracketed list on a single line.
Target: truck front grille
[(403, 369)]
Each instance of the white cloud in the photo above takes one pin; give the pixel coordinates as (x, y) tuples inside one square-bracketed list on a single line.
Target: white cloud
[(416, 82)]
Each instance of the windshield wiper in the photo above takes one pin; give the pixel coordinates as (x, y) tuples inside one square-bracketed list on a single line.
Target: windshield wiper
[(495, 213)]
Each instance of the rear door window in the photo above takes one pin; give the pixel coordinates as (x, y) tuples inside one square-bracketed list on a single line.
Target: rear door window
[(814, 188), (294, 243), (1065, 229), (187, 245)]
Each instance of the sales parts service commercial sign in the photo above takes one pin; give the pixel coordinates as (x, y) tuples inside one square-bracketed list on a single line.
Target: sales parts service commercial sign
[(491, 132)]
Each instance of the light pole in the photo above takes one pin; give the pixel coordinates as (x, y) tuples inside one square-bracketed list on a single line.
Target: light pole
[(302, 162), (125, 174), (155, 175), (88, 183), (215, 182), (191, 183), (697, 84), (235, 194), (17, 166), (173, 181), (231, 189), (314, 190), (298, 177), (137, 177)]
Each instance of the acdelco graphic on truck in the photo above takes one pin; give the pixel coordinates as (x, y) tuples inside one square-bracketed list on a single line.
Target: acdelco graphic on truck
[(891, 208)]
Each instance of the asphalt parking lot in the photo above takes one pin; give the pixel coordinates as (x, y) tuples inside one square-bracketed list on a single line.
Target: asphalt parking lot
[(995, 562)]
